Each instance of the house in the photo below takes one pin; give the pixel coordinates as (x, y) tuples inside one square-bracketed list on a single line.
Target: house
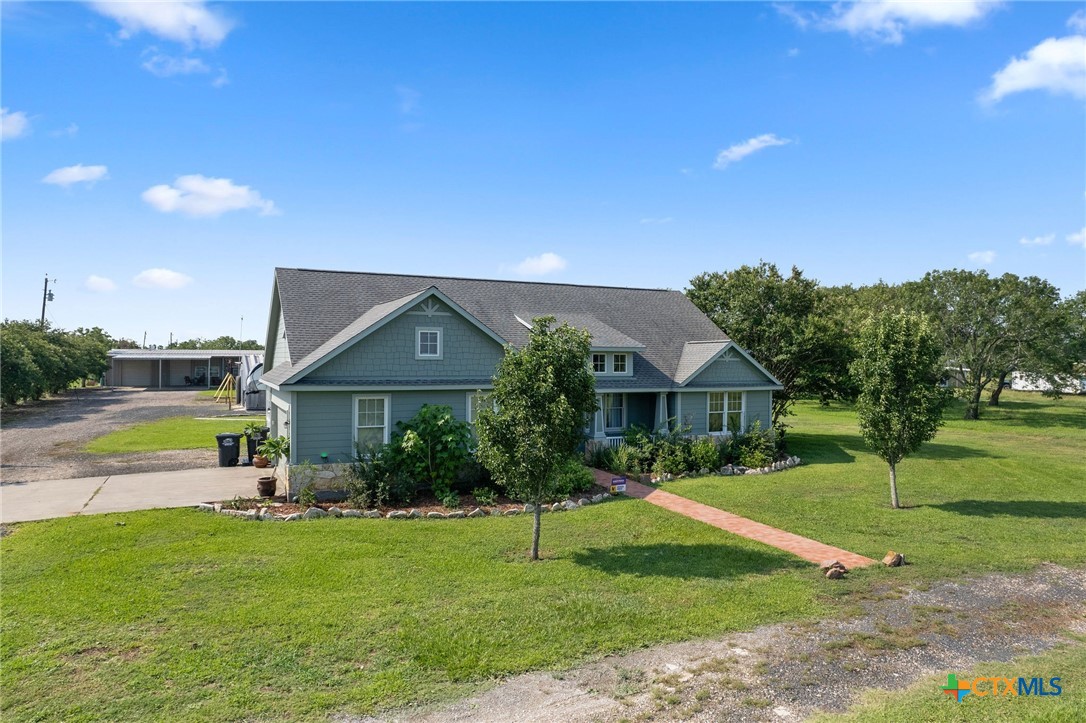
[(349, 354), (162, 368)]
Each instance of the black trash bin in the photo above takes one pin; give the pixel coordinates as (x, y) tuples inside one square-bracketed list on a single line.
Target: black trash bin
[(229, 448)]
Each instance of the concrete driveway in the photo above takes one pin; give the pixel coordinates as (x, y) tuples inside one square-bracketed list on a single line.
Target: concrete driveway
[(45, 499)]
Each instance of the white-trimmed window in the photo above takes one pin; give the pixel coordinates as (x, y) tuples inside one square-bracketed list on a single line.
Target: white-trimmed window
[(619, 364), (614, 411), (477, 401), (428, 343), (599, 363), (371, 419), (725, 412)]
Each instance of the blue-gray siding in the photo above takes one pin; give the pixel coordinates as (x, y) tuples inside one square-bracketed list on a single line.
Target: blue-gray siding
[(729, 369), (389, 352), (695, 410)]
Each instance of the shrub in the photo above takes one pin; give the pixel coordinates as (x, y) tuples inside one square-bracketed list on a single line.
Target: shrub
[(756, 447), (432, 447), (450, 500), (485, 496), (307, 497), (626, 461), (574, 477), (374, 479), (704, 452), (599, 456), (471, 476), (673, 454)]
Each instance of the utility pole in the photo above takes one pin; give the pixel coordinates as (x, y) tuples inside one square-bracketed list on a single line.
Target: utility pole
[(144, 346), (46, 295), (171, 339), (241, 332)]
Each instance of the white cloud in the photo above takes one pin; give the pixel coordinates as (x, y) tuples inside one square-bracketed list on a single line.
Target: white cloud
[(185, 21), (70, 131), (1077, 22), (99, 284), (793, 52), (161, 279), (1077, 239), (741, 150), (1037, 240), (196, 195), (13, 125), (887, 20), (1057, 65), (221, 80), (545, 263), (76, 174), (164, 65), (655, 221), (408, 100), (982, 258)]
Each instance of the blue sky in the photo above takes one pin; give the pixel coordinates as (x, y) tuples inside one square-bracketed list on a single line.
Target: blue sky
[(161, 159)]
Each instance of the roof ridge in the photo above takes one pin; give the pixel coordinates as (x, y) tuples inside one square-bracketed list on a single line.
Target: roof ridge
[(475, 278)]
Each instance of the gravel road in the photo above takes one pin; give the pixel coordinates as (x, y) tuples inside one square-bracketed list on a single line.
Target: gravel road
[(42, 441)]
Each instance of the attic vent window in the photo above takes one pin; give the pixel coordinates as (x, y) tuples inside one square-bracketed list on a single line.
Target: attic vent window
[(428, 344)]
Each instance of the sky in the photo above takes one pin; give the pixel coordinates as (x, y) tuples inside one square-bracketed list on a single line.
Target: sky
[(159, 160)]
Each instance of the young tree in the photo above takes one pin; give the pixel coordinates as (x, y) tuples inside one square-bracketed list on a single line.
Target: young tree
[(543, 393), (897, 372)]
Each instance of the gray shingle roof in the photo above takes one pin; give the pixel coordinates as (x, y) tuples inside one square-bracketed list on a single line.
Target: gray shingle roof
[(694, 356), (318, 305), (181, 353)]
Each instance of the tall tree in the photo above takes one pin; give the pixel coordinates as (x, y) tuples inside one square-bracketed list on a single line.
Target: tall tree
[(543, 393), (784, 322), (900, 404)]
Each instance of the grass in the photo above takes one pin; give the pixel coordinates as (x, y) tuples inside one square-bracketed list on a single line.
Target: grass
[(165, 434), (212, 618), (925, 701), (1002, 493)]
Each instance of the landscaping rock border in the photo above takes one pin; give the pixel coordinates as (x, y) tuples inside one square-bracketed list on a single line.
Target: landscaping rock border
[(731, 470), (313, 513)]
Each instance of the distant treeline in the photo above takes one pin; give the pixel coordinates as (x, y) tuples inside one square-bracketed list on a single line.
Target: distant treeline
[(35, 361), (806, 333)]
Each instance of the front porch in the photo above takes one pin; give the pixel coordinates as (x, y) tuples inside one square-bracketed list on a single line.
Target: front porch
[(618, 411)]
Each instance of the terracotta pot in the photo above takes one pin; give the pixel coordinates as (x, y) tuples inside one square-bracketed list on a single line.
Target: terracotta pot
[(265, 486), (260, 460)]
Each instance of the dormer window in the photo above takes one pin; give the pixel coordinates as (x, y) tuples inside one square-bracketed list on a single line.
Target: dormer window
[(428, 344), (619, 364), (599, 363)]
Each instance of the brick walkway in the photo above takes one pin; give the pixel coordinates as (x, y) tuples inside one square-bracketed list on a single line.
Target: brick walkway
[(808, 549)]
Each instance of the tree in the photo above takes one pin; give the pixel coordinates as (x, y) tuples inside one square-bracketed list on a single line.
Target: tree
[(543, 393), (900, 404), (784, 323)]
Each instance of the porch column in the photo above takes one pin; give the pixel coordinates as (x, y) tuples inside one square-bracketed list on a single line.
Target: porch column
[(209, 372), (597, 426), (159, 373), (661, 411)]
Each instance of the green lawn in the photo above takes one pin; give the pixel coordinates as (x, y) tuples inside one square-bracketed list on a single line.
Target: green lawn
[(169, 433), (213, 618)]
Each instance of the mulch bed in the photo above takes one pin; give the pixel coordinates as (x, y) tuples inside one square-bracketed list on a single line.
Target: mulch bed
[(423, 503)]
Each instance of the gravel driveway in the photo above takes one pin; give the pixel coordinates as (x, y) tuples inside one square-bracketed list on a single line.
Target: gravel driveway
[(42, 441)]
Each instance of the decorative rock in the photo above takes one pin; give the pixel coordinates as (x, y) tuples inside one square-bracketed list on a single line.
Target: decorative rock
[(269, 517), (596, 499), (606, 495), (704, 470), (529, 507), (893, 559), (217, 507), (512, 512), (582, 502), (496, 512), (414, 514), (835, 573), (435, 515), (373, 514), (335, 512), (205, 507), (557, 507), (293, 517), (476, 513), (314, 513), (569, 505), (751, 471), (456, 515), (352, 513), (828, 564), (397, 515)]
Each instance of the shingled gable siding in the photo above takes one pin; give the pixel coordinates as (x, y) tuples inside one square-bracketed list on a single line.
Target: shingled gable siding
[(279, 354), (730, 369), (325, 420), (389, 352)]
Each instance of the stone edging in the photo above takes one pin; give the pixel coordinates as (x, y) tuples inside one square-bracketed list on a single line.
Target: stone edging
[(265, 513)]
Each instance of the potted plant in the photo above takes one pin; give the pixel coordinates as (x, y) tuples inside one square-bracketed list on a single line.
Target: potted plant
[(272, 450), (254, 435), (265, 486)]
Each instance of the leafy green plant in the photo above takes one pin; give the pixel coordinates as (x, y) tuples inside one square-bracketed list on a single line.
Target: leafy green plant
[(574, 477), (599, 455), (704, 453), (472, 475), (275, 449), (626, 460), (432, 447), (374, 480), (253, 429), (450, 500), (307, 496), (485, 496), (756, 447)]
